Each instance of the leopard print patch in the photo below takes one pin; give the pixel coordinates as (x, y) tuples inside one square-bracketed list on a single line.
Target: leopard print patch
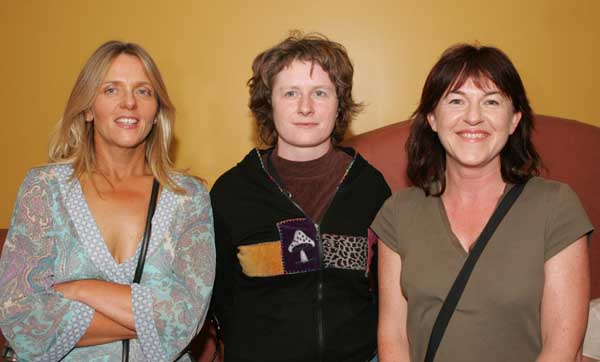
[(345, 252)]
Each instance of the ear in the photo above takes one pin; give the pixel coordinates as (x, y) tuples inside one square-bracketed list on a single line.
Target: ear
[(432, 122), (514, 122), (89, 116)]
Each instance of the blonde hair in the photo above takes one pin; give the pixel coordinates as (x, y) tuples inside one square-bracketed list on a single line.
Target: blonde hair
[(73, 139)]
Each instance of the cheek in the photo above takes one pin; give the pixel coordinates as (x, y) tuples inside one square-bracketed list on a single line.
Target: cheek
[(150, 110), (101, 108), (279, 109)]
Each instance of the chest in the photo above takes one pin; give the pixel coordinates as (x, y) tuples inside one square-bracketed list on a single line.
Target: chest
[(466, 223), (120, 217), (509, 273)]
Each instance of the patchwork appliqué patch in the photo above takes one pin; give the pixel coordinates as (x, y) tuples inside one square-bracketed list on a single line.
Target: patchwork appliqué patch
[(299, 249), (345, 252), (261, 260)]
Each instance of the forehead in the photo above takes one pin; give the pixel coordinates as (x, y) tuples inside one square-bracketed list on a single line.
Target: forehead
[(302, 72), (480, 82), (126, 67)]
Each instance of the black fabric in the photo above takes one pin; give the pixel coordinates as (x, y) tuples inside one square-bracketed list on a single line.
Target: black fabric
[(143, 251), (276, 318), (451, 301)]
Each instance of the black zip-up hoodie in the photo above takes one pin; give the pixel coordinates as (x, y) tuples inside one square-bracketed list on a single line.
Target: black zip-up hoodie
[(287, 289)]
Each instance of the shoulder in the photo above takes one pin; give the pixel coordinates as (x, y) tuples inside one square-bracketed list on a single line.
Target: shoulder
[(239, 175), (47, 175), (194, 188), (406, 203), (548, 191), (366, 170), (540, 184), (409, 197)]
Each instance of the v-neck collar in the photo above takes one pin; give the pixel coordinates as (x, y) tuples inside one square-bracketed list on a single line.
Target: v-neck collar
[(445, 220), (89, 233)]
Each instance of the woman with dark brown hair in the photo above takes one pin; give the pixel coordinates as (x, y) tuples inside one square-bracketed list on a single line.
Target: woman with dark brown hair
[(469, 147), (292, 220)]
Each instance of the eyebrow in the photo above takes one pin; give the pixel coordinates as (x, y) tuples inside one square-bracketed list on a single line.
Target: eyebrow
[(121, 82), (463, 93), (324, 86)]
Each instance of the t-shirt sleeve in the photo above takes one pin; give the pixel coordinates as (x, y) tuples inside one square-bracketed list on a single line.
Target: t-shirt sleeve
[(385, 225), (567, 221)]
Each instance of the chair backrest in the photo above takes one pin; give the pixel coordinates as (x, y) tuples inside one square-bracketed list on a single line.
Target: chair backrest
[(570, 151)]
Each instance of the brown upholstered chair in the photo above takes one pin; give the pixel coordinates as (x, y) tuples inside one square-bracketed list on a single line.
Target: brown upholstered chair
[(570, 151)]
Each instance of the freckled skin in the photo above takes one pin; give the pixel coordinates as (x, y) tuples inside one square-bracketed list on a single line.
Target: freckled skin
[(125, 92), (304, 110), (474, 124)]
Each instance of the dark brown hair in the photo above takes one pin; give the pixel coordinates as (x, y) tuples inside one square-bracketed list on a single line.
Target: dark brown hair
[(313, 48), (426, 155)]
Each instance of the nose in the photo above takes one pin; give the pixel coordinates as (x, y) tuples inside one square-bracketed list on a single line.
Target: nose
[(129, 101), (305, 106), (473, 115)]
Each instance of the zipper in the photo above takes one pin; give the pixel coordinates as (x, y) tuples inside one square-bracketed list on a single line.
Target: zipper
[(288, 195), (320, 334)]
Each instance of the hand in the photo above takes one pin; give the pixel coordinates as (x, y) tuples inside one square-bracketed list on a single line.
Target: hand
[(68, 289)]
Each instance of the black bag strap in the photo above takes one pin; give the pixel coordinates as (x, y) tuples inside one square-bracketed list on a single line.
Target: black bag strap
[(143, 251), (460, 283)]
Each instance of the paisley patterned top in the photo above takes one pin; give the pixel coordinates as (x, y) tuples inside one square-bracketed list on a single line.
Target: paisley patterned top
[(53, 238)]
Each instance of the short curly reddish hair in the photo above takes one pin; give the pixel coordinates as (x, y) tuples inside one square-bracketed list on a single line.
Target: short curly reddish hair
[(314, 48)]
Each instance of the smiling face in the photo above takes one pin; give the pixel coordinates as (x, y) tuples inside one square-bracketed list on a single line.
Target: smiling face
[(125, 106), (305, 104), (473, 124)]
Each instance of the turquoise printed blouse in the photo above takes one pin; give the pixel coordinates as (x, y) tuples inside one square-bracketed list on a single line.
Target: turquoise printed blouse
[(53, 238)]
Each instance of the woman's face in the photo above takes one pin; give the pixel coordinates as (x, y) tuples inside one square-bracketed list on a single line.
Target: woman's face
[(304, 110), (473, 124), (125, 106)]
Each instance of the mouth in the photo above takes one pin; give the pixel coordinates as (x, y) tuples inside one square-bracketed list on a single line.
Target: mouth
[(473, 136), (127, 121), (305, 124)]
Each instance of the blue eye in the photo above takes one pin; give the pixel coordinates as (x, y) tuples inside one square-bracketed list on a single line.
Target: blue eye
[(289, 94), (110, 90), (145, 92)]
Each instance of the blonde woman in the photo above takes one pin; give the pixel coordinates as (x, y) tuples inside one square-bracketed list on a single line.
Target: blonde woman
[(66, 271)]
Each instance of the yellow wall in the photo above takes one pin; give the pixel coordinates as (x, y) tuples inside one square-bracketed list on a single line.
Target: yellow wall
[(204, 50)]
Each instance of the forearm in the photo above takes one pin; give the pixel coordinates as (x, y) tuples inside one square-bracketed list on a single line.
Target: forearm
[(392, 350), (111, 299), (556, 355), (104, 330)]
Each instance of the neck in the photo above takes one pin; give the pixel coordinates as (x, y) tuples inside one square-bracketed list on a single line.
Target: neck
[(292, 153), (464, 183), (121, 164)]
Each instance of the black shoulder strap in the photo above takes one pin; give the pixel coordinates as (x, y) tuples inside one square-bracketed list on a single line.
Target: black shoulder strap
[(147, 232), (143, 251), (458, 287)]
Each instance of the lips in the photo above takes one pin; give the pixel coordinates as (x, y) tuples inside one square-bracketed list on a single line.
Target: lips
[(127, 121), (473, 135), (305, 124)]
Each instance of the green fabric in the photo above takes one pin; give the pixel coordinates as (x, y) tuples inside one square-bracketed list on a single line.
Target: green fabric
[(498, 316)]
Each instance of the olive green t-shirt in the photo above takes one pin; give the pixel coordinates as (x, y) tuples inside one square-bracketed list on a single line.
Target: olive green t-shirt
[(498, 315)]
